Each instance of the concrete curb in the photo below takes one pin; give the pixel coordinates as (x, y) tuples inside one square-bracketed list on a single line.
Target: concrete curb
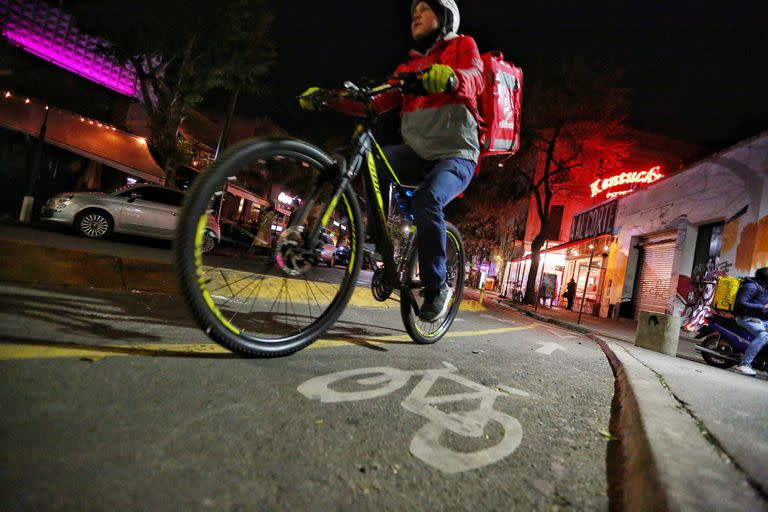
[(683, 465), (37, 264), (661, 459), (634, 481), (633, 478)]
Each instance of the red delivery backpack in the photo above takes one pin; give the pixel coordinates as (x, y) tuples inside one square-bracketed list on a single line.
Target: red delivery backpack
[(500, 105)]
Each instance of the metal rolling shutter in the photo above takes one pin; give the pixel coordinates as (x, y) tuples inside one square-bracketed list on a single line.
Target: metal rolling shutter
[(657, 257)]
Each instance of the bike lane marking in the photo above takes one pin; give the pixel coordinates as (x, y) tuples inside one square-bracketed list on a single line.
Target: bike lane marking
[(18, 351), (427, 443)]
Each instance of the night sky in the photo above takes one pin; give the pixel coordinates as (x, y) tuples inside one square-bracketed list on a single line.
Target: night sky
[(697, 71)]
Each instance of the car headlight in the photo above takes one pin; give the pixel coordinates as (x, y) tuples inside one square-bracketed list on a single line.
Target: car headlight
[(62, 201)]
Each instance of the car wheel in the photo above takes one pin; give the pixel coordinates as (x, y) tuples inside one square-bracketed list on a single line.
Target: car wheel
[(94, 224), (209, 242)]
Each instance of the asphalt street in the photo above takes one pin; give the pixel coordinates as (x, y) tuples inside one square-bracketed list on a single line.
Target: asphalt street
[(115, 401)]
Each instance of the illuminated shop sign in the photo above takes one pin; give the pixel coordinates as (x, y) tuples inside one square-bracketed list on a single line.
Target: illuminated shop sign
[(285, 198), (633, 179), (594, 222)]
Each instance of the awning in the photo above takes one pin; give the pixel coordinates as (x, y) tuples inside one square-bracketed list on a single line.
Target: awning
[(248, 196), (554, 248), (91, 139), (245, 194)]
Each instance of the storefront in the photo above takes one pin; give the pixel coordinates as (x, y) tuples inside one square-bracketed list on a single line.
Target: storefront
[(240, 213), (517, 274), (549, 278), (715, 212), (586, 264), (585, 257)]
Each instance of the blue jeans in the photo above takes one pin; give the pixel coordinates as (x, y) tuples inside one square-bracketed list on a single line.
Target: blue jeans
[(759, 328), (438, 182)]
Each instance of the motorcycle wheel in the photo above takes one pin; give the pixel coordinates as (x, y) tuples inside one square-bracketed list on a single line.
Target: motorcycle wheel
[(717, 344)]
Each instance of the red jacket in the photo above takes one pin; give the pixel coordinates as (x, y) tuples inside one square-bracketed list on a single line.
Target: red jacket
[(445, 125)]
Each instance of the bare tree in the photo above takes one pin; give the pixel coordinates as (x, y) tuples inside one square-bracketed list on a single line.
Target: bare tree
[(574, 123), (181, 53), (483, 213)]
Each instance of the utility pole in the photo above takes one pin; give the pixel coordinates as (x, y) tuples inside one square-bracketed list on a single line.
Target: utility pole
[(28, 204), (586, 280), (227, 122), (541, 279)]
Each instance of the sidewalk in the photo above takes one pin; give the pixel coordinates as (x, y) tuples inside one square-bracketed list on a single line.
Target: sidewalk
[(688, 436), (620, 329)]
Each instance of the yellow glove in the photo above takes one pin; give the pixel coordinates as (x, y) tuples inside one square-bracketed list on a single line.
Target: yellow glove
[(437, 79), (305, 99)]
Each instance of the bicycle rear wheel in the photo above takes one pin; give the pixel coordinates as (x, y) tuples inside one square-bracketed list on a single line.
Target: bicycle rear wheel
[(267, 290), (430, 332)]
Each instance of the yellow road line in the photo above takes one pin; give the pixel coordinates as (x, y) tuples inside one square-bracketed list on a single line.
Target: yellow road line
[(17, 351)]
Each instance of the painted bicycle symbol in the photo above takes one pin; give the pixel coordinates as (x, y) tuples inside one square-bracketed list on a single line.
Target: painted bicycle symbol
[(428, 442)]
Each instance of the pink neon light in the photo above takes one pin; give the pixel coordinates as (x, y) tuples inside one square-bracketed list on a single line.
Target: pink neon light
[(118, 79)]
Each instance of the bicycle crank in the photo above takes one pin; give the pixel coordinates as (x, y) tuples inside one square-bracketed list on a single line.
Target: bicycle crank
[(379, 286)]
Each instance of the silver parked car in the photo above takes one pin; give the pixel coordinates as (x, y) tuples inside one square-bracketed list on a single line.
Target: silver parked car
[(145, 210)]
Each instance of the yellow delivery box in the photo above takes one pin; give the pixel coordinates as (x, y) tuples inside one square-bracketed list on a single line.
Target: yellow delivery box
[(725, 293)]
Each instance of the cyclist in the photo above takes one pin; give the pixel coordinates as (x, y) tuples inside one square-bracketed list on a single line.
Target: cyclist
[(440, 133)]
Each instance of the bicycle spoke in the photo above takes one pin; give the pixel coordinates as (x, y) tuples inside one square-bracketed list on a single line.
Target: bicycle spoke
[(430, 332), (265, 279)]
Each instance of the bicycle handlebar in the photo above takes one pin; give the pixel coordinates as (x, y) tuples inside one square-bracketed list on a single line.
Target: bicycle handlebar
[(407, 83)]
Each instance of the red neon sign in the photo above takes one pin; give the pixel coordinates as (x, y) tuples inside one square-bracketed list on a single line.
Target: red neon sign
[(601, 185)]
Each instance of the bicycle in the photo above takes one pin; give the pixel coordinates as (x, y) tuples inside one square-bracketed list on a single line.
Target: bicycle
[(272, 308), (367, 383)]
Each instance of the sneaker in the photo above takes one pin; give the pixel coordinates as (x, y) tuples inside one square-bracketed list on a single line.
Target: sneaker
[(436, 305), (745, 370)]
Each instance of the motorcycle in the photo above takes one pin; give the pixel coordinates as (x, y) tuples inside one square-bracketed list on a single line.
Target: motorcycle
[(724, 342)]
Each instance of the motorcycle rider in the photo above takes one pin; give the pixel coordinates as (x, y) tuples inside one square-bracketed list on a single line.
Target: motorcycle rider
[(751, 310)]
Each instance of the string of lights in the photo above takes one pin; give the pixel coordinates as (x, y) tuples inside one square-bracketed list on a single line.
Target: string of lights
[(11, 95)]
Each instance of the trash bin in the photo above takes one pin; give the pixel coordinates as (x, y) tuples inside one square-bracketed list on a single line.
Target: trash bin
[(659, 332)]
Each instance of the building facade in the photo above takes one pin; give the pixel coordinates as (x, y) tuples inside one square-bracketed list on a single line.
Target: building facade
[(714, 211), (572, 250), (643, 251)]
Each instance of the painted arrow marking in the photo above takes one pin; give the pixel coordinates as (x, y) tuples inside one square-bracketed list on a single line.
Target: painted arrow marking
[(562, 336), (548, 348)]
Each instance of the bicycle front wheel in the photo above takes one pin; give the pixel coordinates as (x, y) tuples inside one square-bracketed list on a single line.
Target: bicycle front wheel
[(268, 289), (430, 332)]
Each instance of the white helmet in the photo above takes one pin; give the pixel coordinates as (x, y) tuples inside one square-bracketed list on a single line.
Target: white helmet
[(450, 19)]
